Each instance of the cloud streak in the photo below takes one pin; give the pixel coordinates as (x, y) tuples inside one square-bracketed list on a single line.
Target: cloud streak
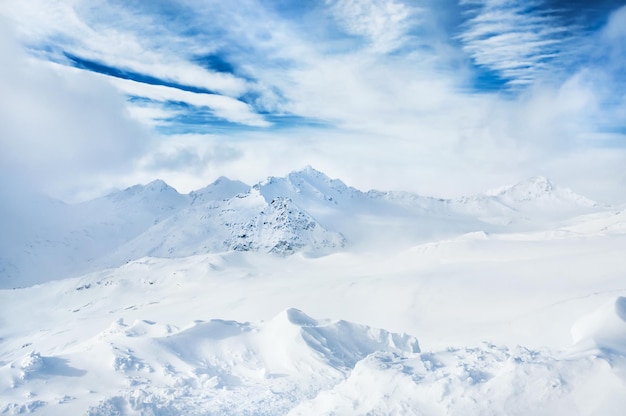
[(517, 39)]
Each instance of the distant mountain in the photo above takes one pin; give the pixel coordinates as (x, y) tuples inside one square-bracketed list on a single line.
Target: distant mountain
[(540, 189), (245, 222), (305, 211), (534, 201), (222, 189)]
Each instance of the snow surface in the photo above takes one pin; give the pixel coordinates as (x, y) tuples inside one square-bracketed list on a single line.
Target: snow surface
[(524, 314)]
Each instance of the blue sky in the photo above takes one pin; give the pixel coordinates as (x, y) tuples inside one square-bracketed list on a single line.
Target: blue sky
[(440, 97)]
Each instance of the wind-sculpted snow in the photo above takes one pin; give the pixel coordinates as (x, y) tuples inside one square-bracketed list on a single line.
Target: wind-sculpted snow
[(604, 329), (294, 364), (483, 380), (212, 367)]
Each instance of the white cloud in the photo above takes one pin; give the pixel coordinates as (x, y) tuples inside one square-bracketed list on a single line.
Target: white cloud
[(224, 107), (384, 23), (152, 114), (615, 29), (111, 42), (402, 120), (57, 130)]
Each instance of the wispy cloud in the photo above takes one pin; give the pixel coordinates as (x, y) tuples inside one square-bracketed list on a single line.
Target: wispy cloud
[(222, 106), (519, 40), (383, 23), (123, 44)]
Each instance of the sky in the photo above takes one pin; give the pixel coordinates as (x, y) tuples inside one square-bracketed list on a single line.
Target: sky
[(440, 97)]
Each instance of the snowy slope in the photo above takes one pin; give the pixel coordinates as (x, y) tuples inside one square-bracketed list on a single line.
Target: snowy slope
[(606, 222), (31, 241), (48, 239)]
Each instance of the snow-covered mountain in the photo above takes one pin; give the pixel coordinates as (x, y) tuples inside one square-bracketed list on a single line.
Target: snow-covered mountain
[(222, 189), (194, 303), (376, 219), (306, 211), (535, 202), (245, 222)]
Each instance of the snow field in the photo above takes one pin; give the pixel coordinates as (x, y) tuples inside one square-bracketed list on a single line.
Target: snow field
[(219, 333)]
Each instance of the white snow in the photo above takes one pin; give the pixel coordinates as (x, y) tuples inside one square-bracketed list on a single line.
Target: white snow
[(263, 301), (604, 329)]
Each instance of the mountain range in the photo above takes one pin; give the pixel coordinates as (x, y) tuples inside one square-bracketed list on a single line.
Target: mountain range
[(305, 211), (301, 295)]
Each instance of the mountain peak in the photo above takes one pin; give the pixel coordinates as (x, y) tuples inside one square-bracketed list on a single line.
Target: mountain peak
[(155, 187), (531, 188), (221, 189), (541, 190), (305, 186), (309, 171), (222, 180), (306, 173), (158, 185), (540, 183)]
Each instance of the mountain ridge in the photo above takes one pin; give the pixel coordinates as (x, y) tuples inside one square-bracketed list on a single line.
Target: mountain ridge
[(304, 211)]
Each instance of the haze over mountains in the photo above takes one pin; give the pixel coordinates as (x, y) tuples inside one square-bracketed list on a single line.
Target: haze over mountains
[(305, 211)]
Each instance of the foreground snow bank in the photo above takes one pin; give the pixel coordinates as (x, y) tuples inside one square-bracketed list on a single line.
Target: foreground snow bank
[(143, 339), (209, 367), (294, 364)]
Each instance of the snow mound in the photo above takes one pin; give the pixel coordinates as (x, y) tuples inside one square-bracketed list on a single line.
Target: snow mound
[(471, 381), (292, 343), (31, 364), (211, 366), (604, 329), (340, 344)]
